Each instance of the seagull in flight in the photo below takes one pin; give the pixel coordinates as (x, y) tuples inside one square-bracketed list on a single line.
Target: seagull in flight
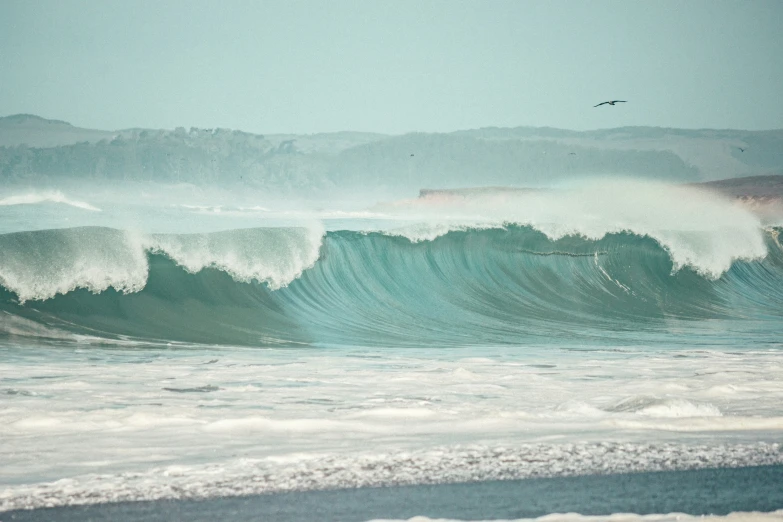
[(609, 102)]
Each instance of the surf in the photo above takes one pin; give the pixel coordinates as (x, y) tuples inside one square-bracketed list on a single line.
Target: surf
[(304, 286)]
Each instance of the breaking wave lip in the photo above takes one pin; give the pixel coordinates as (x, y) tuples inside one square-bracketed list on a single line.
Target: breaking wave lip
[(698, 229), (34, 198), (439, 465), (40, 265), (705, 234), (275, 256), (303, 285)]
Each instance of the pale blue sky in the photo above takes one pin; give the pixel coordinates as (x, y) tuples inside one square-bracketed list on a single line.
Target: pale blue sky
[(393, 66)]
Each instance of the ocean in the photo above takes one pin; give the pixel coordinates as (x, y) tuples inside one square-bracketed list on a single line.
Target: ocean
[(165, 344)]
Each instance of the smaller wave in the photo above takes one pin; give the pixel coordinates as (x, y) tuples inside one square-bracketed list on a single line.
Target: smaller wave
[(34, 198), (666, 408)]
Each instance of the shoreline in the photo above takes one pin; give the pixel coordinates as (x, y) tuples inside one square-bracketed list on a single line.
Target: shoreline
[(716, 491)]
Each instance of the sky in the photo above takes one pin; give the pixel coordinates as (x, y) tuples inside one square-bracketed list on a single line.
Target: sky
[(393, 66)]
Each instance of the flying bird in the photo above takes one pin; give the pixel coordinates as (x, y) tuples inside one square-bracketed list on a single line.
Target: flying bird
[(741, 149), (609, 102)]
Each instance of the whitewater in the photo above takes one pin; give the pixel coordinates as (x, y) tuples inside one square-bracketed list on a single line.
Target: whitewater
[(178, 342)]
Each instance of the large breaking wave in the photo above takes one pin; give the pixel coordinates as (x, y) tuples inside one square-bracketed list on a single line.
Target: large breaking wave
[(448, 285)]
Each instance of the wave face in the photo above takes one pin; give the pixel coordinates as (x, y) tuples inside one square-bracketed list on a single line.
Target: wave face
[(273, 286)]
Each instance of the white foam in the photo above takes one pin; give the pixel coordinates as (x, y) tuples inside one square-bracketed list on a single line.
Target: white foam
[(273, 256), (263, 424), (397, 413), (438, 465), (55, 196), (40, 265), (58, 262), (671, 407), (277, 420), (704, 424), (698, 229)]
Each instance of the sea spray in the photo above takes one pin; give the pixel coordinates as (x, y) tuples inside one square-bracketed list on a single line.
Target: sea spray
[(699, 229)]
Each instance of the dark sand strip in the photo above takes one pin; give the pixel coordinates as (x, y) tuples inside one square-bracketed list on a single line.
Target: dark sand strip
[(696, 492)]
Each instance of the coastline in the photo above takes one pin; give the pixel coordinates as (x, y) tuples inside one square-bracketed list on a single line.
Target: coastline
[(716, 491)]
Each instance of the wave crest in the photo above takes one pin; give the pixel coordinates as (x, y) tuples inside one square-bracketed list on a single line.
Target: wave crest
[(295, 285), (39, 265), (275, 256), (698, 229)]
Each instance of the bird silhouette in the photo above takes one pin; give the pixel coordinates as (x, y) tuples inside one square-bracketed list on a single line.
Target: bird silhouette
[(741, 149), (609, 103)]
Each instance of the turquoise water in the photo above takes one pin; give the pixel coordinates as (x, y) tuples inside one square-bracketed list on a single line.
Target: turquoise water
[(473, 287), (158, 350)]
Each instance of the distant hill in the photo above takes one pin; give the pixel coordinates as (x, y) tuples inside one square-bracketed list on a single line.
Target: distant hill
[(34, 131), (31, 119), (717, 154), (34, 148)]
